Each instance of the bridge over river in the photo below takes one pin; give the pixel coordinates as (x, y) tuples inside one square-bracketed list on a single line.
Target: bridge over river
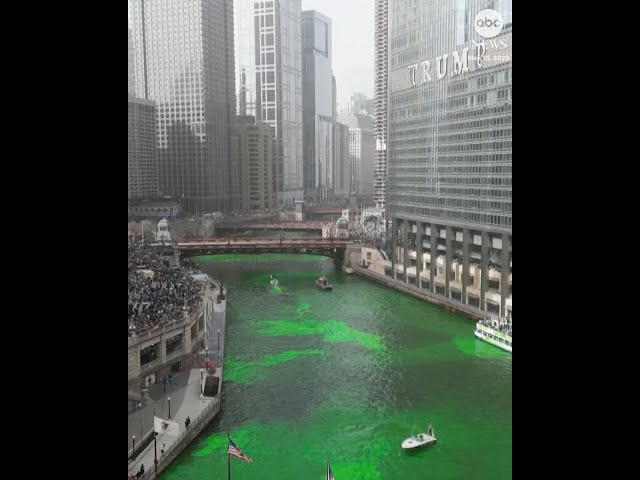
[(330, 247)]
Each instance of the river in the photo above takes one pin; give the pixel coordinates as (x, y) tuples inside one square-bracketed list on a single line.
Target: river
[(347, 375)]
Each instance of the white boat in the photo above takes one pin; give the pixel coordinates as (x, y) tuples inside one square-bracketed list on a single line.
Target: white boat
[(496, 332), (273, 282), (420, 440)]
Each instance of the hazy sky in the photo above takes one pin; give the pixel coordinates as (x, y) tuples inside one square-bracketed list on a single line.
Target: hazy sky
[(352, 23)]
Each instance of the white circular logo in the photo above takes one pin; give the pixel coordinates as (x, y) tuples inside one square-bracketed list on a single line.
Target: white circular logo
[(488, 23)]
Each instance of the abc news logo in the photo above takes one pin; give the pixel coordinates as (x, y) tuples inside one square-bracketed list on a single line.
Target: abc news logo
[(488, 23)]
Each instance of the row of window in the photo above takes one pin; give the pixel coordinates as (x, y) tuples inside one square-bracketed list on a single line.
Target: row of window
[(454, 215)]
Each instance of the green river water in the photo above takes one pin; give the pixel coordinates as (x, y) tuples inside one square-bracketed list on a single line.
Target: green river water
[(347, 375)]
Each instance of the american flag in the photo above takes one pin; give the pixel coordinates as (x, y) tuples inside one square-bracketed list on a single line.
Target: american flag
[(235, 451), (329, 472)]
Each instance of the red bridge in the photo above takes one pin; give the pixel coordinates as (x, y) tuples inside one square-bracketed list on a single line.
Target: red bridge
[(333, 247), (295, 226)]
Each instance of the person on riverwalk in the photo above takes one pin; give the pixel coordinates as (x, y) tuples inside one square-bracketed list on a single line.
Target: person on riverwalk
[(164, 445), (187, 422)]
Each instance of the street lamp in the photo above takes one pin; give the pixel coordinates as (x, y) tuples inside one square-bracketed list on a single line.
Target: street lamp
[(133, 454), (201, 384), (218, 345), (169, 398), (206, 357)]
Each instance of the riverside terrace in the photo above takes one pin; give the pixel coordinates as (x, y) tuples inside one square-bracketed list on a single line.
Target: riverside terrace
[(158, 293)]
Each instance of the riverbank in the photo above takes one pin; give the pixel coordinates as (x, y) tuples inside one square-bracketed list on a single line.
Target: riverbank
[(199, 404), (421, 293)]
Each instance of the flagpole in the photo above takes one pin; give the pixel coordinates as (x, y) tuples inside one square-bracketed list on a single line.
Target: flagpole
[(155, 452), (228, 459)]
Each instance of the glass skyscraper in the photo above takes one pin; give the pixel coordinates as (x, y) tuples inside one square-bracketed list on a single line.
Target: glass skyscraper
[(278, 57), (449, 153), (184, 61), (317, 106)]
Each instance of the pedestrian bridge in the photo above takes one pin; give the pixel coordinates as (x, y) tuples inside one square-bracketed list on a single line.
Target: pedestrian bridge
[(331, 247)]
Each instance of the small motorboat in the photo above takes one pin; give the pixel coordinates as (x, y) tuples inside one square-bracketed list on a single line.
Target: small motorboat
[(420, 440), (273, 282), (323, 284)]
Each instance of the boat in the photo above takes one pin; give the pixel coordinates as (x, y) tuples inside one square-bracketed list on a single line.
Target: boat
[(495, 331), (420, 440), (273, 282), (323, 284)]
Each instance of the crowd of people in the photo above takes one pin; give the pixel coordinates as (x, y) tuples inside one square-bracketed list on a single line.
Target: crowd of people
[(503, 325), (370, 234), (158, 293)]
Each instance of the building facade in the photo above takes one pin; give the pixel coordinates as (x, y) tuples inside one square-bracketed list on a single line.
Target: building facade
[(156, 208), (317, 107), (184, 61), (142, 180), (256, 149), (449, 184), (361, 152), (381, 45), (278, 43)]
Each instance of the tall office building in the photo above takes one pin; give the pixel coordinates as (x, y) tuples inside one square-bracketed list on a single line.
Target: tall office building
[(341, 162), (142, 149), (279, 89), (317, 106), (361, 152), (131, 67), (449, 184), (255, 152), (245, 56), (381, 45), (184, 62)]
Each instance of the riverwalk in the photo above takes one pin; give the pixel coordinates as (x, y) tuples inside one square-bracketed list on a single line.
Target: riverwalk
[(187, 400)]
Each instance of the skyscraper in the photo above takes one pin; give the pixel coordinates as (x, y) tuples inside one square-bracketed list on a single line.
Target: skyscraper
[(131, 67), (381, 36), (341, 162), (184, 62), (142, 179), (317, 106), (279, 89), (256, 149), (361, 152), (449, 184)]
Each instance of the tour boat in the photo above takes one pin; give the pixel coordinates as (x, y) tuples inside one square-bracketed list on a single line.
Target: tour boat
[(323, 284), (496, 332), (420, 440)]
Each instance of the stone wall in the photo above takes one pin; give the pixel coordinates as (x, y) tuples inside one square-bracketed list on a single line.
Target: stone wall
[(423, 294), (160, 335)]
